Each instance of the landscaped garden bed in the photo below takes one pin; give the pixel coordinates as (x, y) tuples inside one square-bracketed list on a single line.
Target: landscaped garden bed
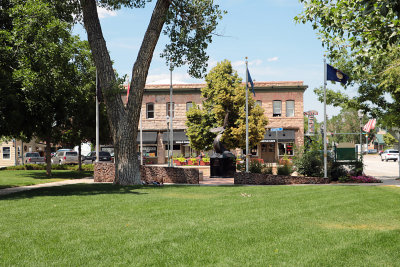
[(270, 179)]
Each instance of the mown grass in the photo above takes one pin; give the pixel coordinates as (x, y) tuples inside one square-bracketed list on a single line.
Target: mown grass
[(21, 178), (106, 225)]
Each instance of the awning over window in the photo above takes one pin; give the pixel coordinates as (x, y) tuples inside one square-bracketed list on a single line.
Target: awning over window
[(282, 136), (179, 138), (148, 138)]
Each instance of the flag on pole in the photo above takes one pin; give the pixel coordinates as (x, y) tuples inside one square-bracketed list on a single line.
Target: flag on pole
[(251, 82), (336, 75), (369, 126)]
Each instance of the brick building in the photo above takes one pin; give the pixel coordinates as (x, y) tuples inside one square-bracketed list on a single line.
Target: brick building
[(282, 103)]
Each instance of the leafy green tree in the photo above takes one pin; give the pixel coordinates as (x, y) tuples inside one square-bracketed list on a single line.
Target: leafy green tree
[(224, 105), (362, 38), (189, 25), (346, 121), (13, 113), (81, 125), (44, 54), (389, 140)]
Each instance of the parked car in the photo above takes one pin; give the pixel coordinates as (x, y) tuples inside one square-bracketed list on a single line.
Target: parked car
[(372, 151), (33, 158), (104, 156), (65, 157), (390, 154)]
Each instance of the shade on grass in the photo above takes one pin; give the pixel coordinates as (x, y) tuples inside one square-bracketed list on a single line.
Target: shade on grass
[(31, 177), (89, 225)]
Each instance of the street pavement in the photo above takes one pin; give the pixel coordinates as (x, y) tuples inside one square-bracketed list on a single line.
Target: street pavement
[(386, 171)]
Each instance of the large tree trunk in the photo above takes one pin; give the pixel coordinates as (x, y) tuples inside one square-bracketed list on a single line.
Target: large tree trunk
[(123, 120), (48, 157)]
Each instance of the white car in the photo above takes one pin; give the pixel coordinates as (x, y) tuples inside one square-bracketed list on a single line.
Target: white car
[(65, 157), (390, 154)]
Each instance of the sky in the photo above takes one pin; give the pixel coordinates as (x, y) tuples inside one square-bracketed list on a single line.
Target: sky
[(277, 48)]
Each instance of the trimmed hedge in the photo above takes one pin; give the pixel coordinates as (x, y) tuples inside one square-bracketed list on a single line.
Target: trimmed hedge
[(85, 167)]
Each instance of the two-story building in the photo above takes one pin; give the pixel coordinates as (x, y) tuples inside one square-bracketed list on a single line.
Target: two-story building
[(282, 103)]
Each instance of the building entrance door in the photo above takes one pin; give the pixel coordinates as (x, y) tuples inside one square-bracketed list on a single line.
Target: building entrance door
[(268, 152)]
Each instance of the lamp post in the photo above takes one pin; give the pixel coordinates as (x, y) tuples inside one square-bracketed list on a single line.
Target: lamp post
[(169, 142)]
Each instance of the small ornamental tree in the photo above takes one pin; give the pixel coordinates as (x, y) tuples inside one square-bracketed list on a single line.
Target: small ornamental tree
[(224, 103)]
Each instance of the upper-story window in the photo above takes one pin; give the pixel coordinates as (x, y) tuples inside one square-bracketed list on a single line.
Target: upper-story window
[(169, 110), (150, 111), (189, 105), (290, 108), (258, 103), (277, 108)]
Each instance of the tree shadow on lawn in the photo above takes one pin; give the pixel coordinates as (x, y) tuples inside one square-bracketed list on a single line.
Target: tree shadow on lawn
[(93, 189), (59, 175), (74, 190)]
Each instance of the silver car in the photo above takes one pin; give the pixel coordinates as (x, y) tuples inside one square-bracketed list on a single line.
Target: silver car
[(390, 154), (65, 157)]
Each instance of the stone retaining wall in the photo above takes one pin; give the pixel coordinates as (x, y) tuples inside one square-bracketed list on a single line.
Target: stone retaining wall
[(105, 172), (269, 179)]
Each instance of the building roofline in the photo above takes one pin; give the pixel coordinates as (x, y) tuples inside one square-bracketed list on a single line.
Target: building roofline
[(258, 86)]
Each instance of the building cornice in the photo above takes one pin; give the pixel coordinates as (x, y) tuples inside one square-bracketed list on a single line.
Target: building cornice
[(281, 86)]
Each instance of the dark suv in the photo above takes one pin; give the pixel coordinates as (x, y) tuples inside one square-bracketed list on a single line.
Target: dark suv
[(104, 156)]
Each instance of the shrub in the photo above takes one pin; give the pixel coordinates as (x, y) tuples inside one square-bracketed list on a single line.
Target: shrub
[(266, 169), (358, 168), (284, 169), (255, 166), (241, 166), (310, 163), (336, 171)]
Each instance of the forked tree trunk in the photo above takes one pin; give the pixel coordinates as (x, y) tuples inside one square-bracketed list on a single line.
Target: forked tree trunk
[(123, 120)]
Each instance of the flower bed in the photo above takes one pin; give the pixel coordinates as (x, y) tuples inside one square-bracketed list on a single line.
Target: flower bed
[(359, 179)]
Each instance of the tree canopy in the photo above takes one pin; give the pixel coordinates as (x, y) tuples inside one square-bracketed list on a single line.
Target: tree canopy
[(47, 73), (362, 38), (224, 103)]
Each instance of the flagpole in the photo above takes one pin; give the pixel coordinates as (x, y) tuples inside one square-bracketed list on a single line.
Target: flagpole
[(247, 120), (171, 136), (325, 148), (97, 121)]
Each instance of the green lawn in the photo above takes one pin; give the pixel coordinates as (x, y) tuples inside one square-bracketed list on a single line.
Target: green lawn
[(106, 225), (21, 178)]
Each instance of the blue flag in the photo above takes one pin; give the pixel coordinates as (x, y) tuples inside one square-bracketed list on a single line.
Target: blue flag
[(336, 75), (251, 82)]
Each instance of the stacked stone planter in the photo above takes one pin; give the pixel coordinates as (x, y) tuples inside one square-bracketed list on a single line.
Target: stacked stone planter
[(269, 179), (105, 172)]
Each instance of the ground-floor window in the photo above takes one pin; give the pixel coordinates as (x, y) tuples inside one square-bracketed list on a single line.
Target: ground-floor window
[(150, 151), (6, 152), (176, 150), (286, 149), (253, 151)]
